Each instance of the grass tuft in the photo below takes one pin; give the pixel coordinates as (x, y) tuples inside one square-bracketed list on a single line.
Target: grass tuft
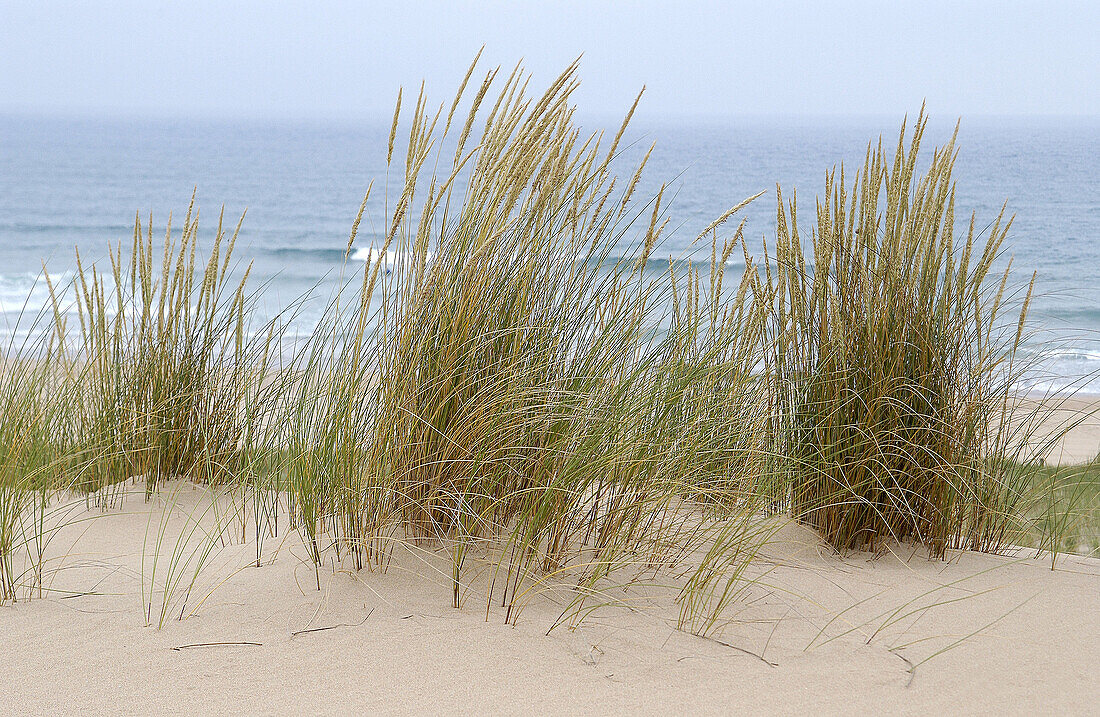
[(895, 362)]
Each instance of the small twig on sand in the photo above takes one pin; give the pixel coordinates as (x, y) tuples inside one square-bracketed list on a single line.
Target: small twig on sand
[(332, 627), (218, 644)]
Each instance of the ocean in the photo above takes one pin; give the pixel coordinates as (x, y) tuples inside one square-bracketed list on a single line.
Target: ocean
[(79, 182)]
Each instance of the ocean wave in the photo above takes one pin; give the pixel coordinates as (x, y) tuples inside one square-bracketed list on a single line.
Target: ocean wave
[(28, 293), (370, 253), (331, 257), (1061, 369), (328, 255), (699, 262), (1071, 354), (392, 257), (45, 227)]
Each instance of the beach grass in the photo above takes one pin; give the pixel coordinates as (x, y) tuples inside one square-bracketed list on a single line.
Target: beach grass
[(1064, 516), (895, 356), (511, 383), (504, 382), (163, 369), (30, 472)]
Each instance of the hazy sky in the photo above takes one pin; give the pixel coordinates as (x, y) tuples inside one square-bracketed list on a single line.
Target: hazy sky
[(322, 59)]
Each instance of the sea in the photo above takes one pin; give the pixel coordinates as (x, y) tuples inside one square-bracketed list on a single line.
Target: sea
[(70, 182)]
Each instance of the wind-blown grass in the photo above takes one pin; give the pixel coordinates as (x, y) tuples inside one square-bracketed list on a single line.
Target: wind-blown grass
[(510, 383), (34, 406), (30, 468), (162, 380), (165, 373), (894, 365)]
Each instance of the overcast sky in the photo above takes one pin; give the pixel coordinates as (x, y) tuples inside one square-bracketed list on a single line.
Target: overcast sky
[(344, 59)]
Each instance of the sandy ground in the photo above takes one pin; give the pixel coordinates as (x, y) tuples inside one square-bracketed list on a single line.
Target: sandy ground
[(816, 634), (1076, 419)]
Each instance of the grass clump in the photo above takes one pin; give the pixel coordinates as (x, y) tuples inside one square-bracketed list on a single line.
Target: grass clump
[(30, 468), (164, 368), (894, 362), (513, 379)]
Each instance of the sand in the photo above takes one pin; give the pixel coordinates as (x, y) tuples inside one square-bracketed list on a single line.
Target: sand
[(818, 634), (1053, 415)]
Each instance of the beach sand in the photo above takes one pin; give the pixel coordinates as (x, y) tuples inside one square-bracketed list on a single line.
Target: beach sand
[(817, 634), (1051, 415)]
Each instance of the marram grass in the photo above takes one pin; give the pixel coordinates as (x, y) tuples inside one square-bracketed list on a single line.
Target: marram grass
[(509, 381), (510, 385), (894, 364), (164, 373)]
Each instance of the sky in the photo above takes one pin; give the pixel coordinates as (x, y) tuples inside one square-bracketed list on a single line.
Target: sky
[(302, 60)]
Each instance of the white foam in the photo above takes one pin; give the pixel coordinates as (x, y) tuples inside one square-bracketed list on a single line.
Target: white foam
[(372, 255), (29, 293), (1072, 354)]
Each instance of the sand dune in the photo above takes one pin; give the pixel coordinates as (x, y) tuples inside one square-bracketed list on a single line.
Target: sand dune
[(817, 634)]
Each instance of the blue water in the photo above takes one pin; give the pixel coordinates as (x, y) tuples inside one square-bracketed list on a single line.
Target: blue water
[(66, 182)]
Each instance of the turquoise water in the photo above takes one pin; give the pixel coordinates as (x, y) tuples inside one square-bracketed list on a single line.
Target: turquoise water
[(66, 182)]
